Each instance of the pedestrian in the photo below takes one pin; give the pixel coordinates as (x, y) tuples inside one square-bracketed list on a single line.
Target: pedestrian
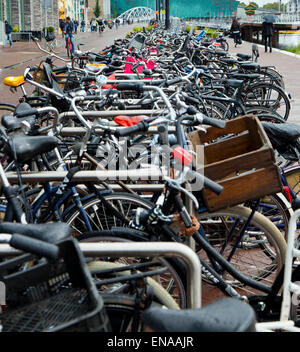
[(117, 23), (267, 34), (76, 25), (69, 32), (62, 27), (82, 25), (236, 31), (7, 37)]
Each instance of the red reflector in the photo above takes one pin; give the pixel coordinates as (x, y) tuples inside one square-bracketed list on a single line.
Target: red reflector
[(182, 156), (288, 193)]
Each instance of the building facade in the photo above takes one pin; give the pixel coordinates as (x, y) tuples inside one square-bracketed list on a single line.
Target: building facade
[(28, 15), (293, 6)]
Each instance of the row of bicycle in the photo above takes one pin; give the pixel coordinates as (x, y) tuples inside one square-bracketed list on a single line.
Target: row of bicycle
[(159, 138)]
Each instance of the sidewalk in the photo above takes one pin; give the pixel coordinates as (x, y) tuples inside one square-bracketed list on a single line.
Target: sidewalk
[(288, 65)]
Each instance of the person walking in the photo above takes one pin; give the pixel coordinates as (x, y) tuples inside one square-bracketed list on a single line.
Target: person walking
[(69, 32), (76, 23), (62, 27), (7, 37), (82, 25), (117, 23), (267, 33), (236, 31)]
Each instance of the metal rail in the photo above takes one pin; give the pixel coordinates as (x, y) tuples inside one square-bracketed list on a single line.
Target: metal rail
[(143, 249)]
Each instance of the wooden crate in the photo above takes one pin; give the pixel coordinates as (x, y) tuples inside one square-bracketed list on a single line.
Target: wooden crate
[(243, 163)]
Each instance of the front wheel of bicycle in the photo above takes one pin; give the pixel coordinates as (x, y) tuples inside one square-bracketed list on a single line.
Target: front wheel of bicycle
[(173, 280), (259, 253)]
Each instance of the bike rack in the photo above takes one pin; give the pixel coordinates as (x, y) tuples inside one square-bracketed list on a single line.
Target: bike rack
[(143, 249), (288, 286)]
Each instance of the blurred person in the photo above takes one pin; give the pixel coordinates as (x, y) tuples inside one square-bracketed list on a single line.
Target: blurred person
[(7, 36)]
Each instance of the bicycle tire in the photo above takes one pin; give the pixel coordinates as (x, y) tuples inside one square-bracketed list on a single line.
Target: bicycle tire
[(121, 310), (74, 218), (162, 295), (174, 281), (6, 108), (271, 244), (256, 93)]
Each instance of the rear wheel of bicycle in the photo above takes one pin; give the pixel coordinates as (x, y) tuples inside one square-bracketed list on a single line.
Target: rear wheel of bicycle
[(161, 295), (99, 216), (124, 313), (173, 280), (6, 109), (267, 95), (260, 252)]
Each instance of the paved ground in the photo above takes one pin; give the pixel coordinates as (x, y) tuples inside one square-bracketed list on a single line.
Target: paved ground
[(288, 65)]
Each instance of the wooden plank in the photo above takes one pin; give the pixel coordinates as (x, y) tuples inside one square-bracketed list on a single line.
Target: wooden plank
[(248, 187), (233, 126), (228, 148), (239, 164)]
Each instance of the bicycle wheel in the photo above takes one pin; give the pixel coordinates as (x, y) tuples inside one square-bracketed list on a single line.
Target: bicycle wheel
[(6, 109), (124, 313), (267, 95), (161, 295), (259, 253), (99, 216), (173, 281)]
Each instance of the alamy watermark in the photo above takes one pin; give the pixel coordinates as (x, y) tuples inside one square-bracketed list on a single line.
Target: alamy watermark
[(123, 161)]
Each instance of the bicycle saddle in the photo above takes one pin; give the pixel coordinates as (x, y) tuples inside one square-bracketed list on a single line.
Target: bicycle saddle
[(49, 232), (221, 53), (26, 147), (244, 56), (12, 123), (245, 75), (282, 132), (224, 315), (251, 66), (23, 107), (228, 60)]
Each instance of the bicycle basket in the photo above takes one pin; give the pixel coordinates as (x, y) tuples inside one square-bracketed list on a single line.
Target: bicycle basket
[(73, 81), (51, 297), (137, 42), (239, 157)]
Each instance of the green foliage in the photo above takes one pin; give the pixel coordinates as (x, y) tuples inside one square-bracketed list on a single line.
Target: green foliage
[(274, 6), (211, 33), (49, 29), (97, 9), (294, 49), (15, 29), (188, 29)]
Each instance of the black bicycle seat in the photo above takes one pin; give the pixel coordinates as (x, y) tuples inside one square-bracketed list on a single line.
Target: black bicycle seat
[(228, 61), (26, 147), (49, 232), (11, 122), (23, 107), (224, 315), (250, 66), (245, 76), (284, 132), (244, 56), (221, 53)]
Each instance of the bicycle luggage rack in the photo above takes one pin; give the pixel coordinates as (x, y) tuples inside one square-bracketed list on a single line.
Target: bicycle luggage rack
[(143, 249), (288, 286)]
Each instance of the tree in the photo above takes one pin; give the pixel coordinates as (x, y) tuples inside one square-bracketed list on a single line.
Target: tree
[(274, 6), (97, 9)]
